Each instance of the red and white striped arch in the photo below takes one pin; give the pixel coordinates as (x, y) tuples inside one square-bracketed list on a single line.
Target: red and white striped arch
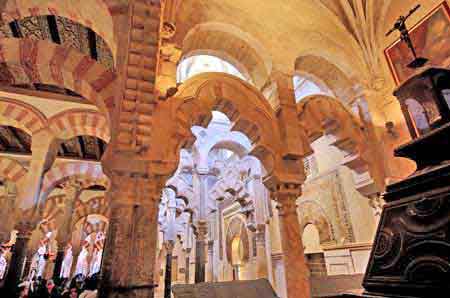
[(98, 226), (52, 207), (22, 116), (12, 170), (95, 205), (77, 122), (38, 61), (87, 171)]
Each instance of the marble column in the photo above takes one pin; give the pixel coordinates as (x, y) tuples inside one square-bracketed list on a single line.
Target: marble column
[(296, 268), (261, 256), (130, 247), (18, 258), (200, 252), (201, 191), (72, 189), (187, 266), (168, 272), (210, 274)]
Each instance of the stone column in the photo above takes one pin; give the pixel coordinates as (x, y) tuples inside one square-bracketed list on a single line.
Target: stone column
[(201, 191), (27, 266), (130, 248), (18, 258), (72, 189), (200, 251), (210, 261), (44, 150), (168, 272), (296, 268), (187, 266), (6, 211), (261, 256)]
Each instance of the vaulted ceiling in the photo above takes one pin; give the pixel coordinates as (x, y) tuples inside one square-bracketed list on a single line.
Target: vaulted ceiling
[(347, 33), (14, 140), (82, 147)]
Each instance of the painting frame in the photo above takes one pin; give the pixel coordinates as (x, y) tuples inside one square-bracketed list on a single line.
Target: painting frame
[(395, 46)]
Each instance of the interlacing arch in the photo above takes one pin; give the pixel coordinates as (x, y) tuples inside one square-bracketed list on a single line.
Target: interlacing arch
[(232, 186), (95, 205), (52, 207), (244, 105), (100, 15), (241, 49), (100, 226), (11, 170), (321, 114), (311, 213), (38, 61), (79, 122), (22, 116), (90, 172), (237, 229)]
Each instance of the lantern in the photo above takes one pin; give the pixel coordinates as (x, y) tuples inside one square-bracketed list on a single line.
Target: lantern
[(425, 101)]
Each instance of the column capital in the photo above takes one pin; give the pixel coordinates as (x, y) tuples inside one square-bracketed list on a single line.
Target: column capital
[(202, 171), (282, 189), (25, 228), (286, 195), (169, 245), (170, 52), (260, 232), (201, 230)]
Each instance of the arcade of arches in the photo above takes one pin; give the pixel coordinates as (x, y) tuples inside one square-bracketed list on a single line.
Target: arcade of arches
[(243, 139)]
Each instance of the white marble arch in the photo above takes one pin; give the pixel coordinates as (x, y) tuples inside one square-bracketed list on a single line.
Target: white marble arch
[(217, 138)]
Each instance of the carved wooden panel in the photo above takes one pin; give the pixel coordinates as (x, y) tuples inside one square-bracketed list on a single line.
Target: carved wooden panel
[(411, 251)]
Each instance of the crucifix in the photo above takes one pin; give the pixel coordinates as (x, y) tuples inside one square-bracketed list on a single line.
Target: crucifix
[(400, 25)]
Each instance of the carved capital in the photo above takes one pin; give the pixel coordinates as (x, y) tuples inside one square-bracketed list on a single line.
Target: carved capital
[(210, 246), (286, 195), (168, 30), (202, 230), (169, 245), (260, 237), (286, 190), (25, 228), (170, 53)]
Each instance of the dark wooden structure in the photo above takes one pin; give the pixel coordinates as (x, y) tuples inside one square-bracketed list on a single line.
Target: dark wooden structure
[(411, 254)]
